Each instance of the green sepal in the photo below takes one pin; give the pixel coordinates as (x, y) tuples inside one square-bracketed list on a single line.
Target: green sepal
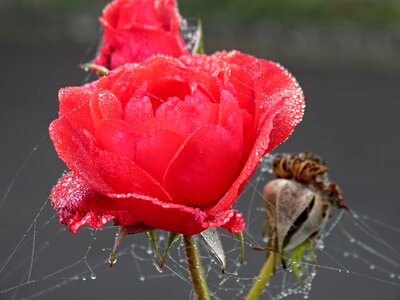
[(152, 235), (296, 258), (102, 71), (122, 233), (213, 241), (172, 237), (239, 236), (198, 47)]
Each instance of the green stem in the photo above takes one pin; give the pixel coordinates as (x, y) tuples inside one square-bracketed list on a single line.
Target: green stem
[(263, 278), (195, 268)]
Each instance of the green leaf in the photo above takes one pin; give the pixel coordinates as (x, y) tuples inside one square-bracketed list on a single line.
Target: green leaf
[(172, 237), (199, 44), (239, 236), (213, 241), (103, 71)]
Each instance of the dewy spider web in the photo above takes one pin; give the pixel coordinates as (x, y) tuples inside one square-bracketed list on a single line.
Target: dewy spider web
[(39, 259)]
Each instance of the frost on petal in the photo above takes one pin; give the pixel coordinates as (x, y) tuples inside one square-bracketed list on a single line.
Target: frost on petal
[(77, 204)]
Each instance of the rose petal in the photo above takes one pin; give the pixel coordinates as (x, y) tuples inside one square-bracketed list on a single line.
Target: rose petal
[(232, 220), (203, 168), (73, 148), (125, 176), (243, 85), (275, 88), (138, 112), (116, 136), (105, 105), (74, 105), (155, 149), (104, 171), (174, 217), (185, 118), (77, 205)]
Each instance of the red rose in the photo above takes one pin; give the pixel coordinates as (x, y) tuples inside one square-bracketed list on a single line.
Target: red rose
[(170, 143), (137, 29)]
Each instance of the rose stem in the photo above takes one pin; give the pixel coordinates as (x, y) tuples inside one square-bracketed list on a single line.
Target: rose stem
[(195, 268), (263, 278)]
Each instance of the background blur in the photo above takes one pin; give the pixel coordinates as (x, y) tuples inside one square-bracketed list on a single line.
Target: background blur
[(344, 53)]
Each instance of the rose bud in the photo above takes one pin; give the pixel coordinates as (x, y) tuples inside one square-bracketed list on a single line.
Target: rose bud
[(134, 30), (171, 142)]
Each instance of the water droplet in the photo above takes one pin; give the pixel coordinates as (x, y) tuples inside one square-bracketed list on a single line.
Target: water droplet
[(149, 251), (142, 278), (83, 278), (93, 276), (372, 267), (392, 275), (346, 254), (112, 260), (320, 245), (157, 267), (352, 240)]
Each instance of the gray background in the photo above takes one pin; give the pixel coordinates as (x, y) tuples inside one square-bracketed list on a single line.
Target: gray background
[(351, 120)]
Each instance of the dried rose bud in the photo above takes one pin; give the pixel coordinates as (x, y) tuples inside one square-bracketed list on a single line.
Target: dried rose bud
[(295, 213)]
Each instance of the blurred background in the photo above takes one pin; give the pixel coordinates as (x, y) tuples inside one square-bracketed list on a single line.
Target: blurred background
[(344, 53)]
